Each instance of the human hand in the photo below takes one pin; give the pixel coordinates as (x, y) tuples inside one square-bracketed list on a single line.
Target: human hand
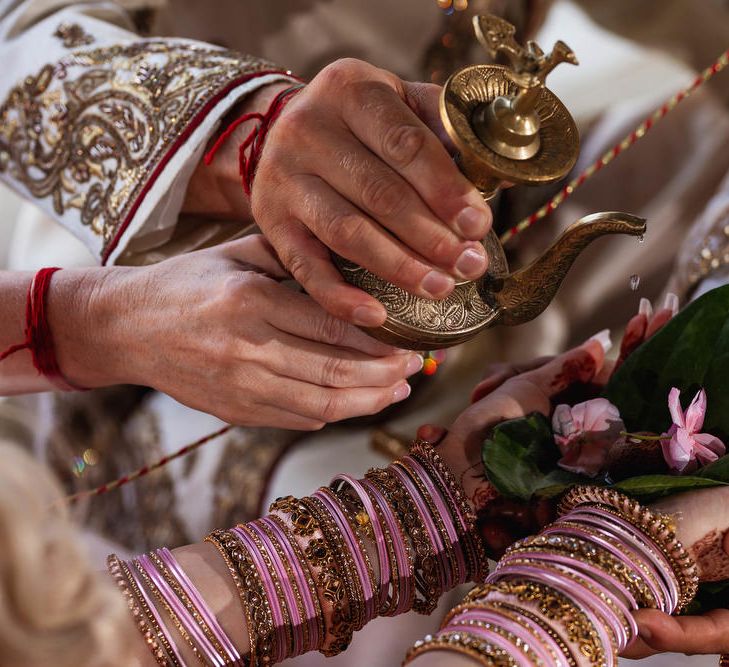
[(355, 165), (702, 519), (217, 331)]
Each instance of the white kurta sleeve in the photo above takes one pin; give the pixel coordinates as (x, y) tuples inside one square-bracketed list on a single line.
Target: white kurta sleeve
[(101, 128)]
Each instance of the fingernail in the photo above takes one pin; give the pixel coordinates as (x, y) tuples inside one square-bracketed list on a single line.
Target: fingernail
[(471, 263), (471, 223), (415, 363), (603, 337), (437, 284), (402, 391), (671, 303), (645, 308), (367, 316)]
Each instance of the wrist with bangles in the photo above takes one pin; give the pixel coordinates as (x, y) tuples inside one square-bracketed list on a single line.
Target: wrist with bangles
[(317, 568), (566, 596)]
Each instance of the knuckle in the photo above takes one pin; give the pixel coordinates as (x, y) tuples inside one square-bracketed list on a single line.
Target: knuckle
[(337, 372), (333, 406), (299, 266), (341, 73), (347, 228), (333, 331), (407, 271), (402, 144), (384, 196), (441, 245)]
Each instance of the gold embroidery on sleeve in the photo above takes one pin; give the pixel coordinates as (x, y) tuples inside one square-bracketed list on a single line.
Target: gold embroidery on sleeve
[(73, 35), (89, 131)]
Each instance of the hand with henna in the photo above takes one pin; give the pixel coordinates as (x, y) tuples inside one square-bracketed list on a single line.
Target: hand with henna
[(502, 521)]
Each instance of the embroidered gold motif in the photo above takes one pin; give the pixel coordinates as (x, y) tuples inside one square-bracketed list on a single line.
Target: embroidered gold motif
[(73, 35), (89, 131)]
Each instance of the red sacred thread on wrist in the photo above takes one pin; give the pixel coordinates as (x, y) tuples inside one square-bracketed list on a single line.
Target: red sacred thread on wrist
[(38, 336), (254, 141)]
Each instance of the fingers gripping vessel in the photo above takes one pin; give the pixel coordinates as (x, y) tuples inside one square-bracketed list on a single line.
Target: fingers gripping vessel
[(507, 126)]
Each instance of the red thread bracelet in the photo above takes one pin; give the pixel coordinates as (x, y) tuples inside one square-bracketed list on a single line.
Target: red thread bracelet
[(255, 139), (38, 336)]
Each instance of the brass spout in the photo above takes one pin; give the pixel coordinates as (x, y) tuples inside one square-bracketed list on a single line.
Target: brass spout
[(524, 294)]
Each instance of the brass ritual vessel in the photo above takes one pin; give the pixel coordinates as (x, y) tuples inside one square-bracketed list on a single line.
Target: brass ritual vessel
[(507, 126)]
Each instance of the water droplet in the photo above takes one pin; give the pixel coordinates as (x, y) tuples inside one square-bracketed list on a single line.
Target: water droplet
[(641, 239), (634, 282)]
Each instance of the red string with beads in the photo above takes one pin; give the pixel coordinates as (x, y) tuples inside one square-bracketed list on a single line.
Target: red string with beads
[(249, 151), (38, 336)]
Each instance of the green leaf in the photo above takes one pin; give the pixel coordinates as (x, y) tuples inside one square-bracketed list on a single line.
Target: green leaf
[(718, 470), (648, 488), (690, 352), (520, 458)]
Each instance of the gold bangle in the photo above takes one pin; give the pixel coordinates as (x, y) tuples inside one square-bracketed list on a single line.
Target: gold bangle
[(292, 577), (323, 566), (480, 650), (657, 527), (594, 553), (425, 562), (252, 593), (174, 584), (554, 607), (145, 621), (288, 649), (476, 554)]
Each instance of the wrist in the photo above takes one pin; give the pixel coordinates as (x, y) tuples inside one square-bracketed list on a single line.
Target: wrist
[(215, 189), (88, 324)]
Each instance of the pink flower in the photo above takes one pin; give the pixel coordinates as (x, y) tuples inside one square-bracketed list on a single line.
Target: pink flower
[(684, 448), (584, 434)]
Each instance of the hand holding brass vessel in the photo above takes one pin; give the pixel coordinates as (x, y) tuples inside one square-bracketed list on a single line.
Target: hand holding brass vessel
[(507, 126)]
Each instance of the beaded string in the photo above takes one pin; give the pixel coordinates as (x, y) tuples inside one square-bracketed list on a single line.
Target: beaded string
[(638, 133)]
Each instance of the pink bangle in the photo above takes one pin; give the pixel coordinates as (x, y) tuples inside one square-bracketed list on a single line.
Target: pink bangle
[(632, 538), (326, 496), (183, 615), (310, 605), (460, 575), (444, 570), (403, 557), (567, 588), (280, 638), (168, 558)]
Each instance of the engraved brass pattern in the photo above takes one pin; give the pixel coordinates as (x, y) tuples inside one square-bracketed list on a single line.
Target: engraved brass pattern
[(499, 297), (89, 130)]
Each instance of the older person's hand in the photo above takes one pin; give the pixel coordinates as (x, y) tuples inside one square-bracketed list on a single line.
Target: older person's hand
[(356, 164), (217, 331)]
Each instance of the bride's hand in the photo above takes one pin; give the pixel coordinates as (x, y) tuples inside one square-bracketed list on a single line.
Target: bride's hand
[(531, 391), (702, 519)]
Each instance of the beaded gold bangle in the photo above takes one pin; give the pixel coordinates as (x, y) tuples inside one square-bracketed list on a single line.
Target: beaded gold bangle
[(145, 621), (554, 607), (174, 584), (481, 651), (323, 565), (599, 556), (301, 558), (253, 595), (658, 528), (348, 569), (216, 539), (162, 602), (288, 648), (425, 562)]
